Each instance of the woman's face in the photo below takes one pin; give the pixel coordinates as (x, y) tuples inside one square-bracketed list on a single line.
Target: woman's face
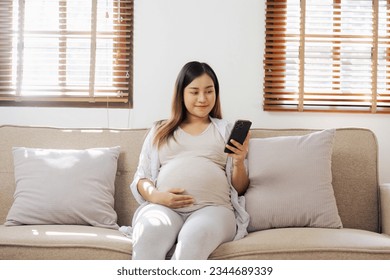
[(199, 97)]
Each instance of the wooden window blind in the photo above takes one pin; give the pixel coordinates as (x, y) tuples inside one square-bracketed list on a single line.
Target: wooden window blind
[(328, 55), (67, 53)]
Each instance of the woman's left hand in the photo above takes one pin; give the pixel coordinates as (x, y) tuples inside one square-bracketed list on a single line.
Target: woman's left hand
[(240, 179), (240, 151)]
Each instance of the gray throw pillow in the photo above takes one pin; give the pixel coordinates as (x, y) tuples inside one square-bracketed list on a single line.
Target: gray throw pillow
[(64, 187), (291, 182)]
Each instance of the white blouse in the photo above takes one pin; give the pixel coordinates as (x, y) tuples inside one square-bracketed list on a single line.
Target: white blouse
[(149, 165)]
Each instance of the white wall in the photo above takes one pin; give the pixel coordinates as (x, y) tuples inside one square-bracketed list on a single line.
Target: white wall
[(229, 35)]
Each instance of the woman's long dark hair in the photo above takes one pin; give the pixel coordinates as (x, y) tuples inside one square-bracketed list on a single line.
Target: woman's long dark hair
[(188, 73)]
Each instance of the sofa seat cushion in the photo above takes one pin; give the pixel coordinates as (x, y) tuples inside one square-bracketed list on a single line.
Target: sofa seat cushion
[(306, 244), (62, 242)]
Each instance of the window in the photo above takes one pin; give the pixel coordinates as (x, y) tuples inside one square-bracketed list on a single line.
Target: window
[(329, 55), (66, 53)]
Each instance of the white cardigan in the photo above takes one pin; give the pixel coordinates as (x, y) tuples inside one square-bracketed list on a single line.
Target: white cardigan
[(149, 165)]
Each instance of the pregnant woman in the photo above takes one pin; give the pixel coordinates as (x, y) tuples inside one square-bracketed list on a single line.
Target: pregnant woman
[(188, 188)]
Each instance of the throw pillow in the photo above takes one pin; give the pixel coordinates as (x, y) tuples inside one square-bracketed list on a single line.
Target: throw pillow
[(64, 187), (291, 182)]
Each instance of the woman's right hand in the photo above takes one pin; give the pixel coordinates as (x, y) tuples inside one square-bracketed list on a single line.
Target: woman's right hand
[(173, 198)]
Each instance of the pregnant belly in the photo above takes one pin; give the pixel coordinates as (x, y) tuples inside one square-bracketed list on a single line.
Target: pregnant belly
[(201, 178)]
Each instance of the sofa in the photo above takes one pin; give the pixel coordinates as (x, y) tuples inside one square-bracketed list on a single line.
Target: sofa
[(362, 204)]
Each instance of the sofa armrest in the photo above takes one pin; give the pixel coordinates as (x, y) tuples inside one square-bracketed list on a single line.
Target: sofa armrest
[(385, 207)]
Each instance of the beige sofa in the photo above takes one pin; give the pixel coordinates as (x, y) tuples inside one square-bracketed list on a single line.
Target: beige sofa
[(364, 206)]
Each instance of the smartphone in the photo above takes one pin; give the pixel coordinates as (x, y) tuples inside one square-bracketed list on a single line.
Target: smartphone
[(239, 132)]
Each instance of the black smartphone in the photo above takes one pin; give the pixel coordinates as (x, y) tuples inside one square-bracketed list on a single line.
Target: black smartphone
[(239, 132)]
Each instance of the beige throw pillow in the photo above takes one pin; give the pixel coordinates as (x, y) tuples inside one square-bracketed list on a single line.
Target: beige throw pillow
[(64, 187), (291, 182)]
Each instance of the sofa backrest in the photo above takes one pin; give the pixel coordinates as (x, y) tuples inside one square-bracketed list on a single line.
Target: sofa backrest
[(354, 165)]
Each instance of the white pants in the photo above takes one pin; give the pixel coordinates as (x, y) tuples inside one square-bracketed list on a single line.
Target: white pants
[(156, 229)]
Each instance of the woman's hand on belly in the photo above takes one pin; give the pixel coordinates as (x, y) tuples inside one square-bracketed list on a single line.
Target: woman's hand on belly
[(173, 198)]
